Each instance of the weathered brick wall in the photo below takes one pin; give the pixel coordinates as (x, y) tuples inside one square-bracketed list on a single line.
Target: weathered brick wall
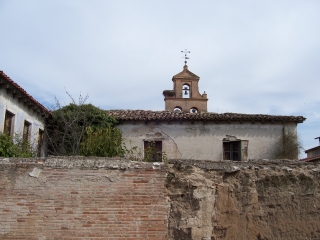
[(97, 198), (92, 198)]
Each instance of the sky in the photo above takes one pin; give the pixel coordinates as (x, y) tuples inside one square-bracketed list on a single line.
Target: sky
[(255, 57)]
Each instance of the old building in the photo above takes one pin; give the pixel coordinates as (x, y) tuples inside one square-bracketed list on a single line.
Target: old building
[(185, 130), (21, 114), (313, 154)]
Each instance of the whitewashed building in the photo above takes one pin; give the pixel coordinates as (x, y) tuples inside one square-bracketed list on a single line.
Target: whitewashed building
[(21, 114), (185, 130)]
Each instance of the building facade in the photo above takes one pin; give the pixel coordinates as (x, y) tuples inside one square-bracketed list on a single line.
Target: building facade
[(205, 136), (185, 130), (21, 114), (313, 154)]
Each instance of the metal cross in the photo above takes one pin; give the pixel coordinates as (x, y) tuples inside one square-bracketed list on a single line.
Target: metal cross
[(185, 56)]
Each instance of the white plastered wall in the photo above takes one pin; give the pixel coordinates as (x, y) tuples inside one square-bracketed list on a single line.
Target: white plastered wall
[(204, 141), (21, 114)]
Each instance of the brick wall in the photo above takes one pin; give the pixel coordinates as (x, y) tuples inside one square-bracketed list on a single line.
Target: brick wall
[(97, 198), (92, 198)]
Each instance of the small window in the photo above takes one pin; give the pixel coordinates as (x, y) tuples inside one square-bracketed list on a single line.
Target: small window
[(231, 151), (178, 109), (40, 143), (153, 151), (26, 130), (8, 123), (185, 91)]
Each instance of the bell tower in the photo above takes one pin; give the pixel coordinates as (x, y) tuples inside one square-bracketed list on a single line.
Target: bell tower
[(185, 95)]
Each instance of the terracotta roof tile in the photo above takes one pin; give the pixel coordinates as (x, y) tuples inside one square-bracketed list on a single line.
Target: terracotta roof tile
[(144, 115), (311, 159), (4, 77)]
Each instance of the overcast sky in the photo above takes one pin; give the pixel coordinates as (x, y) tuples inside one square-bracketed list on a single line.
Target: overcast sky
[(251, 56)]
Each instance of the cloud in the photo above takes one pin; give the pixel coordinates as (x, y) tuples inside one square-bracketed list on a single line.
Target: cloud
[(252, 57)]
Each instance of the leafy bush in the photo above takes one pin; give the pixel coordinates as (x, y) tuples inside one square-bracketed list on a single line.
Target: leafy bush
[(15, 147), (102, 142)]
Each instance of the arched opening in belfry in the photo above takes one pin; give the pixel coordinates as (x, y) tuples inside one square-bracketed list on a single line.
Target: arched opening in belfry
[(194, 110), (185, 91), (178, 109)]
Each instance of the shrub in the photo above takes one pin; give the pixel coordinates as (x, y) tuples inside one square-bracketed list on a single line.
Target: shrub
[(15, 147), (102, 142)]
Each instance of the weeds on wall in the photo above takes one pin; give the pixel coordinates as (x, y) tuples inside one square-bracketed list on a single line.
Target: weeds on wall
[(15, 147), (133, 153), (150, 154), (288, 146)]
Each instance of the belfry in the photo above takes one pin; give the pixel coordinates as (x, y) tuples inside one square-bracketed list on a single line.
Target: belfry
[(185, 95)]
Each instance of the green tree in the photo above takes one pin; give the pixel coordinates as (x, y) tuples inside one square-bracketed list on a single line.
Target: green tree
[(72, 127)]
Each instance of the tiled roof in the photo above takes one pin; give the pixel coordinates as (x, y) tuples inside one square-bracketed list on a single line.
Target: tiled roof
[(7, 83), (311, 159), (312, 149), (144, 115)]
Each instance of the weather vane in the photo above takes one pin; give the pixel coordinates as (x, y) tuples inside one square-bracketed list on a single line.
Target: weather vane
[(185, 56)]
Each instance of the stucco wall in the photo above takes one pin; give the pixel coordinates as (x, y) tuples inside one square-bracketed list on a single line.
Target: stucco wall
[(203, 141), (21, 114)]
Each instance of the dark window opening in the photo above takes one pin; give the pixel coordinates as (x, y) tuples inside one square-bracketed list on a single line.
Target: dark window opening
[(153, 151), (8, 123), (26, 130), (40, 143), (231, 150)]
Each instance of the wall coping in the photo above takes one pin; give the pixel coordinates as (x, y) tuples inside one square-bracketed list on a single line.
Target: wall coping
[(79, 162)]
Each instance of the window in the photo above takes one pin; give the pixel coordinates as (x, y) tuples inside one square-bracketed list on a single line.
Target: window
[(185, 91), (153, 151), (231, 150), (178, 109), (26, 130), (8, 123), (40, 143)]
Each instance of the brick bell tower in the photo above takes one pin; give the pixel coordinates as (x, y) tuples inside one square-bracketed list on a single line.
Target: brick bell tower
[(185, 95)]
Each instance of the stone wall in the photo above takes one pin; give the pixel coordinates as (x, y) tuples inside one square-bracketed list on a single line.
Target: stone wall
[(98, 198), (246, 200)]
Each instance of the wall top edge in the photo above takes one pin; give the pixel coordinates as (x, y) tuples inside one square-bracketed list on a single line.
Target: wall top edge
[(124, 164)]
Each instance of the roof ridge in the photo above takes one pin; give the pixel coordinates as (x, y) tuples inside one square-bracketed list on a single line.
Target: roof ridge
[(210, 116), (17, 86)]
